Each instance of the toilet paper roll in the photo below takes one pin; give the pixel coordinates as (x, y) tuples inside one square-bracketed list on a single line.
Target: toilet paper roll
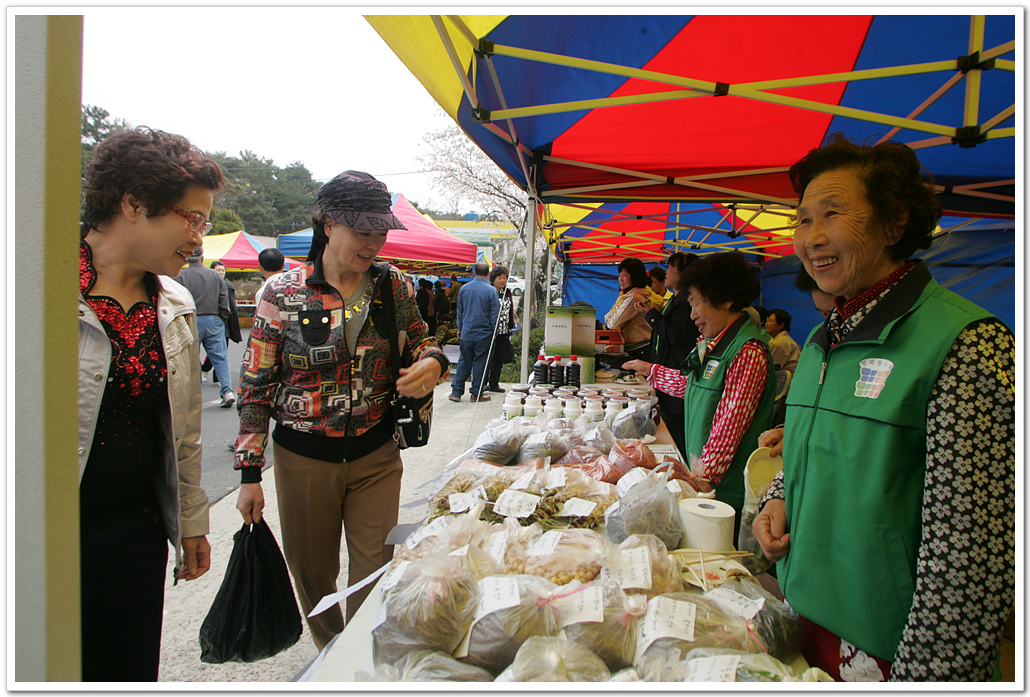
[(707, 525)]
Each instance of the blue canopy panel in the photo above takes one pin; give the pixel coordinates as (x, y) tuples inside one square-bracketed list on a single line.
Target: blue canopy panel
[(978, 263)]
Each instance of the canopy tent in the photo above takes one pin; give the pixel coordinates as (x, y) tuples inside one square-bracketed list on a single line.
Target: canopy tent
[(424, 247), (237, 250), (715, 108)]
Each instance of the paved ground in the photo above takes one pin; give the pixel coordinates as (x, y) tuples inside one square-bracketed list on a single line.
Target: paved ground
[(455, 427)]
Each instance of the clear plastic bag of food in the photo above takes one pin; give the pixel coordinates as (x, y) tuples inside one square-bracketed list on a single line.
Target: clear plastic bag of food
[(641, 564), (614, 638), (649, 507), (436, 666), (551, 659), (598, 435), (525, 610), (600, 469), (506, 543), (777, 629), (562, 556), (628, 453), (729, 665), (713, 625), (431, 606), (461, 481), (579, 454), (544, 444), (499, 442), (634, 422)]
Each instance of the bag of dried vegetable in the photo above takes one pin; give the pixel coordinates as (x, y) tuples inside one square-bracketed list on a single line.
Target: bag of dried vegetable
[(544, 444), (628, 453), (551, 659), (579, 454), (606, 621), (562, 556), (773, 624), (641, 564), (436, 666), (729, 665), (600, 469), (685, 621), (634, 422), (598, 435), (427, 605), (648, 507), (499, 442), (506, 543), (512, 609)]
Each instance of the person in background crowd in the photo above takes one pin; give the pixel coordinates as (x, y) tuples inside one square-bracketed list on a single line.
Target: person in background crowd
[(148, 195), (317, 365), (673, 336), (625, 313), (443, 305), (426, 302), (233, 332), (784, 349), (757, 314), (658, 287), (475, 318), (502, 352), (212, 300), (272, 263), (452, 291), (727, 381), (822, 300), (894, 517)]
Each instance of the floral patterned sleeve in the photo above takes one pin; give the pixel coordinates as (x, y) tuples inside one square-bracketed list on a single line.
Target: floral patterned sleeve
[(965, 572)]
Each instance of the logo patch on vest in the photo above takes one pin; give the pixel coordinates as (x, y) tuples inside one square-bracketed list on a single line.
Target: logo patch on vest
[(710, 368), (873, 376)]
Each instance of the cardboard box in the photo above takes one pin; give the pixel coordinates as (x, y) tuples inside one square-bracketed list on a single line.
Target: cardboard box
[(609, 341), (569, 330)]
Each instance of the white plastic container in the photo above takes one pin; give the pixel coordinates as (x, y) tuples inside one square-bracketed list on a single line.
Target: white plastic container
[(553, 408), (533, 406), (573, 408), (512, 406), (594, 411)]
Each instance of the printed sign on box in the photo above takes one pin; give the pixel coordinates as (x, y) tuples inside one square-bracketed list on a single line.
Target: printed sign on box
[(570, 330)]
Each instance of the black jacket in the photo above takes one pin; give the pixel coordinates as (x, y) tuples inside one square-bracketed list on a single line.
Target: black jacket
[(673, 334)]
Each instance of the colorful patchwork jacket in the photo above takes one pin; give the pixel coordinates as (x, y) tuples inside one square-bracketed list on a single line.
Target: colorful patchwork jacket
[(298, 369)]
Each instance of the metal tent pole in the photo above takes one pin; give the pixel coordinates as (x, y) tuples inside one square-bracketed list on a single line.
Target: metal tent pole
[(527, 297)]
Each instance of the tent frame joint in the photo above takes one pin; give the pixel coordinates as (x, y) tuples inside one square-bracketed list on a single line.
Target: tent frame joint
[(968, 136), (721, 89), (481, 115), (973, 62)]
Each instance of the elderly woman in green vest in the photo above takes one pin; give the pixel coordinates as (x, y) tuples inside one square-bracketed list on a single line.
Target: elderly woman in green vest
[(727, 381), (894, 517)]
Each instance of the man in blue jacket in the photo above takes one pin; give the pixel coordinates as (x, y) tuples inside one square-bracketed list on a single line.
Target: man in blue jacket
[(475, 317)]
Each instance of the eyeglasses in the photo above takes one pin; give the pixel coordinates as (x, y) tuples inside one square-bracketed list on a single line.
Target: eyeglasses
[(195, 221)]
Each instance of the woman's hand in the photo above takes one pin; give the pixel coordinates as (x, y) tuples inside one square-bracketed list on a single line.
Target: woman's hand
[(769, 527), (772, 439), (251, 502), (196, 553), (420, 379), (642, 306), (701, 486), (638, 366)]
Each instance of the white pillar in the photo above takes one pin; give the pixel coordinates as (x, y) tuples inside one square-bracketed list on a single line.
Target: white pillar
[(527, 297)]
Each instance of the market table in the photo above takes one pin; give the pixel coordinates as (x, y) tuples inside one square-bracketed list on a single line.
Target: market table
[(351, 650)]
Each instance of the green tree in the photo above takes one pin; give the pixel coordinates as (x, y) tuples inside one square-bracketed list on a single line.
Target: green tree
[(224, 221), (269, 200), (97, 124)]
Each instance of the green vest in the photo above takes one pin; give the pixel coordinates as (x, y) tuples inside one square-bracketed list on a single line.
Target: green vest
[(705, 383), (855, 459)]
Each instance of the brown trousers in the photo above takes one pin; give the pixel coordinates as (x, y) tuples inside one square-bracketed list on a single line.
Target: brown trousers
[(317, 498)]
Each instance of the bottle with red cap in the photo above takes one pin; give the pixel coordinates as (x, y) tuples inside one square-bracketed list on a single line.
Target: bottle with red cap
[(572, 372), (541, 373)]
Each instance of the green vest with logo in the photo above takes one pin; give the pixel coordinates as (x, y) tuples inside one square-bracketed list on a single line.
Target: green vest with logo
[(705, 384), (855, 460)]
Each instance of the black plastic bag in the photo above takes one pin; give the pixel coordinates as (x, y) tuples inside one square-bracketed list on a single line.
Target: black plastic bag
[(255, 613)]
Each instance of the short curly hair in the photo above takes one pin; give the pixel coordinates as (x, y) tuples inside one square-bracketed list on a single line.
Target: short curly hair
[(154, 166), (638, 277), (720, 278), (496, 271), (890, 173)]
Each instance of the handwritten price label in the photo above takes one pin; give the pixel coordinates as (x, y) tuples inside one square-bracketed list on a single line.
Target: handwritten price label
[(461, 501), (495, 545), (735, 602), (633, 569), (626, 481), (524, 481), (585, 604), (666, 617), (545, 544), (497, 593), (515, 503), (577, 508), (713, 669), (433, 528)]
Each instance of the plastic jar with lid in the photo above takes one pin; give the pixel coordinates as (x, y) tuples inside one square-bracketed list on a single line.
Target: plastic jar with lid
[(512, 406), (573, 408), (533, 406), (594, 411)]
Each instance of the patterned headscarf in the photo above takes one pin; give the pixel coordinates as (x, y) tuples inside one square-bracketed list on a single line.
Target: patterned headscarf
[(357, 200)]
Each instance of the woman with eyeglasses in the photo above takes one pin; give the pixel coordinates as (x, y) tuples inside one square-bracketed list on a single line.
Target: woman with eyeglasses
[(148, 196)]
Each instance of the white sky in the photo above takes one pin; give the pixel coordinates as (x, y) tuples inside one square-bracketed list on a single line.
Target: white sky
[(314, 84)]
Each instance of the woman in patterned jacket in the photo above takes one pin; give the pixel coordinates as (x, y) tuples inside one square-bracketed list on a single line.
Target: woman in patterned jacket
[(894, 517), (318, 364)]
